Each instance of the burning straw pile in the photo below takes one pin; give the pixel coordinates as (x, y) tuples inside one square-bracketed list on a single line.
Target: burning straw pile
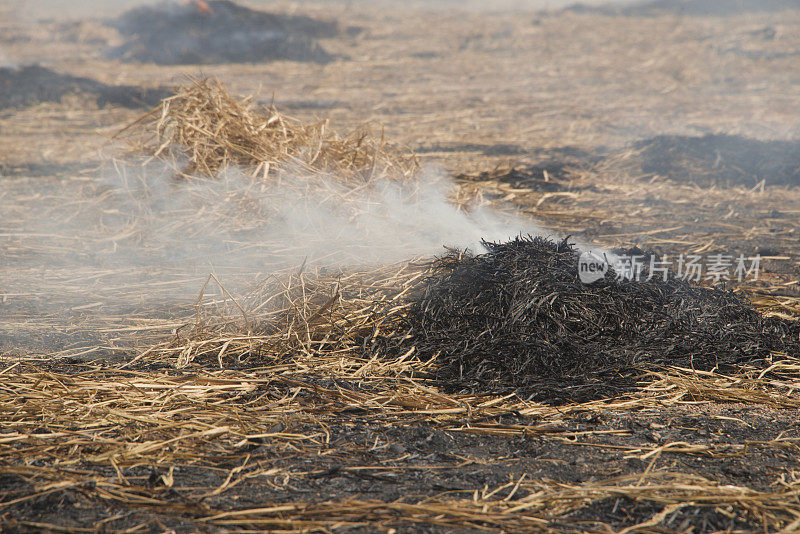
[(519, 315), (515, 319), (218, 31)]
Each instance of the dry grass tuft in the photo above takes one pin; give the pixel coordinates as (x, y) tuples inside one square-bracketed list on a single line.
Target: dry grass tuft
[(289, 317)]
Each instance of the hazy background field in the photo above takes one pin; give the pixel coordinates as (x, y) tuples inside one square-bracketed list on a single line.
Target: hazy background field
[(68, 8)]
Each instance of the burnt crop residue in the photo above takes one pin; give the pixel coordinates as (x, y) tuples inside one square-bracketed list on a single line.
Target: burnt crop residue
[(34, 84), (721, 160), (518, 318)]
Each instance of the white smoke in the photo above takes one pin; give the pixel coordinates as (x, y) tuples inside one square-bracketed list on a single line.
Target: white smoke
[(225, 217), (140, 227), (5, 61)]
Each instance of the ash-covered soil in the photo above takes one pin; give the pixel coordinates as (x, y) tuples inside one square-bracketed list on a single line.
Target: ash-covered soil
[(703, 8), (34, 84), (721, 160), (713, 160)]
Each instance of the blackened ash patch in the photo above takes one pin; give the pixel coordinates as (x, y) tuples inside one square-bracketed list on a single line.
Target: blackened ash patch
[(721, 160), (34, 84)]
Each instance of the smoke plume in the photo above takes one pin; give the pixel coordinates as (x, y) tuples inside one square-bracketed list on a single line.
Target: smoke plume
[(140, 227), (5, 61)]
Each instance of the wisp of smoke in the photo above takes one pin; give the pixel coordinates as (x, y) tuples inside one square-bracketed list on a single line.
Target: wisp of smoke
[(225, 219), (141, 225), (5, 61)]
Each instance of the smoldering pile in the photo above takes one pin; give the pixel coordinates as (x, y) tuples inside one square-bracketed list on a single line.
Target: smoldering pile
[(218, 31), (519, 318), (33, 84)]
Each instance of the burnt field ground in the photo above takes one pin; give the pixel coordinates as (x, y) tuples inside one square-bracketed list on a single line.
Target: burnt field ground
[(288, 396)]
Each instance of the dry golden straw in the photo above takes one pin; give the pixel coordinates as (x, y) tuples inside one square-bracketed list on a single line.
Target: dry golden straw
[(204, 123)]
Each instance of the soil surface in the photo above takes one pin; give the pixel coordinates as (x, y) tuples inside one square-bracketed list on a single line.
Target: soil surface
[(366, 460)]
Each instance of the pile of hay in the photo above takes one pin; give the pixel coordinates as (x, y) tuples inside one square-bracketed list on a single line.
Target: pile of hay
[(519, 315), (33, 84), (515, 319), (218, 31), (213, 129)]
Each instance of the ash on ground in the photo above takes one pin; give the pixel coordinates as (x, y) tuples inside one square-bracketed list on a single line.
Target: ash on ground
[(33, 84), (721, 160), (173, 33), (519, 319), (701, 8)]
